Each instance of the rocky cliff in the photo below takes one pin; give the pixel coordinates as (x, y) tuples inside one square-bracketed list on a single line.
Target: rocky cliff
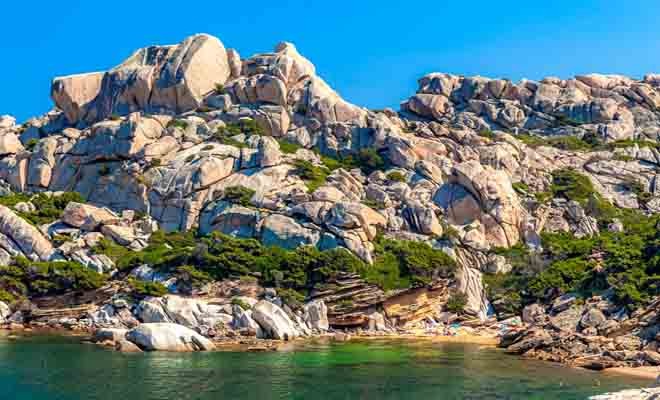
[(192, 137)]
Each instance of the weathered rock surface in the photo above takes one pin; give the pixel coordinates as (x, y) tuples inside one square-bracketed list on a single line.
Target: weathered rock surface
[(168, 337), (274, 321)]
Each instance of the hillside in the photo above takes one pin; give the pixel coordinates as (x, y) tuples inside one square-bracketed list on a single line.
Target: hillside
[(226, 181)]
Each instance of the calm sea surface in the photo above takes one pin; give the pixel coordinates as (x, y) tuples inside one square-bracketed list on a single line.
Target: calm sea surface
[(55, 368)]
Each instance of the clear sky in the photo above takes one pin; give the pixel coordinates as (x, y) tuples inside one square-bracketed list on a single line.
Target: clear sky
[(371, 52)]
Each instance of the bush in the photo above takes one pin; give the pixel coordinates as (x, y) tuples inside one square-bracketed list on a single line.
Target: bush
[(242, 304), (396, 176), (572, 185), (146, 288), (104, 170), (48, 207), (456, 302), (31, 144), (219, 88), (287, 147), (238, 195), (369, 160), (177, 123), (487, 133), (313, 176), (48, 278)]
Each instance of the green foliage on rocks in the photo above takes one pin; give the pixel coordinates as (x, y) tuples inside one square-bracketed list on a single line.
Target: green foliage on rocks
[(456, 302), (36, 278), (287, 147), (48, 208), (197, 260), (145, 288), (396, 176), (238, 195), (314, 176), (628, 263)]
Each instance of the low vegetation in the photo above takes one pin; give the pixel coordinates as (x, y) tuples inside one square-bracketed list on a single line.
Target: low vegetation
[(628, 263), (198, 260), (33, 279), (48, 208)]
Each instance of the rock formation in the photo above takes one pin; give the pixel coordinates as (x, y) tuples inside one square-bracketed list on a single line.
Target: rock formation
[(192, 137)]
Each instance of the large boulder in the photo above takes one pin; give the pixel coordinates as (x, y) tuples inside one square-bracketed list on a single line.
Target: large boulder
[(275, 323), (154, 79), (5, 312), (29, 239), (87, 216), (316, 315), (283, 231), (481, 193), (168, 337)]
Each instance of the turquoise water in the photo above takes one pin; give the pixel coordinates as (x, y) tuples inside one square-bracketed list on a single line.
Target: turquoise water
[(53, 368)]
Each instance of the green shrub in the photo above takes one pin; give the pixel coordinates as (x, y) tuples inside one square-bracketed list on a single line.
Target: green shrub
[(572, 185), (369, 160), (242, 304), (31, 144), (48, 207), (287, 147), (521, 187), (219, 88), (104, 170), (146, 288), (155, 163), (238, 195), (177, 123), (313, 175), (207, 147), (192, 276), (456, 302), (292, 298), (487, 133), (396, 176)]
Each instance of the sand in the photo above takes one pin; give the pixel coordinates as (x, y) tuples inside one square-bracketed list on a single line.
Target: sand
[(650, 373)]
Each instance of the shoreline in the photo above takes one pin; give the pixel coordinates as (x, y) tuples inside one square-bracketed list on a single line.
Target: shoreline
[(244, 344), (650, 373)]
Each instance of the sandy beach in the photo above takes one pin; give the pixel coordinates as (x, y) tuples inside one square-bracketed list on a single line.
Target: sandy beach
[(650, 373)]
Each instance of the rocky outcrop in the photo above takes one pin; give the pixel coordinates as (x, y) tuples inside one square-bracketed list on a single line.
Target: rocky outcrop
[(168, 337), (630, 394), (20, 235), (613, 107), (275, 323), (153, 79)]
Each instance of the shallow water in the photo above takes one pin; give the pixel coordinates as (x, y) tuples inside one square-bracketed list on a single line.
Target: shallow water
[(55, 368)]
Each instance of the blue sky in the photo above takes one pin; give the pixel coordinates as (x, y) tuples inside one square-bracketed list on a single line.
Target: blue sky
[(371, 52)]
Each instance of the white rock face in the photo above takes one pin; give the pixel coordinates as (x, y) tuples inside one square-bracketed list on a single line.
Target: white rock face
[(316, 315), (28, 238), (5, 312), (630, 394), (168, 337), (156, 78), (274, 321), (87, 216)]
